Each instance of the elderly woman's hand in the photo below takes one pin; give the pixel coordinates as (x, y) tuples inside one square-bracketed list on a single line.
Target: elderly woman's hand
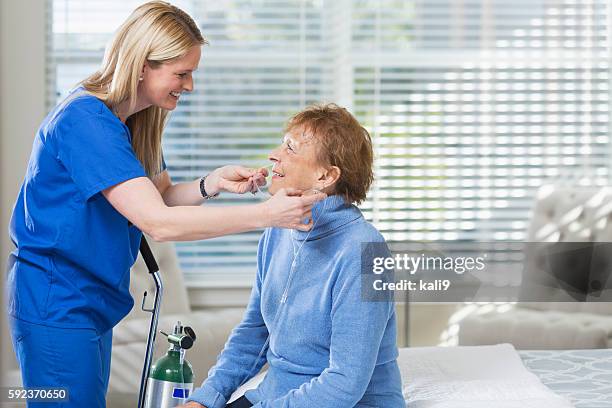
[(235, 179)]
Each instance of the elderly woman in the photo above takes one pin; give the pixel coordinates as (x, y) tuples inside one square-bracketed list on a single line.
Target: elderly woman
[(325, 346)]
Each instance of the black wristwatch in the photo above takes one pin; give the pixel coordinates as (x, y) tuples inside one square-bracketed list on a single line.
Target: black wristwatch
[(203, 189)]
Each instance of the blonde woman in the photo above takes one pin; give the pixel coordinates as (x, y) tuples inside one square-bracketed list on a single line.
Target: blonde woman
[(95, 180)]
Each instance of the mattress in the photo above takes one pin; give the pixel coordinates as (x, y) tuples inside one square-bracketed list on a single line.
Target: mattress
[(582, 376)]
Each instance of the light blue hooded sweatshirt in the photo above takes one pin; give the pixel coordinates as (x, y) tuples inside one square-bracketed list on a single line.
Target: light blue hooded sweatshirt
[(328, 348)]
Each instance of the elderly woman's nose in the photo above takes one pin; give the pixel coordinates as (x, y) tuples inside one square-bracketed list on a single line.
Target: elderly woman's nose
[(274, 156)]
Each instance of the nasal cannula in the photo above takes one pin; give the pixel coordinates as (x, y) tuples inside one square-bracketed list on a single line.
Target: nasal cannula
[(269, 166)]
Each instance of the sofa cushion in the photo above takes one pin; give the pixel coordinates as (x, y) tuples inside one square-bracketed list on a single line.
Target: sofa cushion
[(529, 329), (598, 308)]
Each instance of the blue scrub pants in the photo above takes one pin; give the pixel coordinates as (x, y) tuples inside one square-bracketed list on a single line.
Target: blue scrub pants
[(76, 359)]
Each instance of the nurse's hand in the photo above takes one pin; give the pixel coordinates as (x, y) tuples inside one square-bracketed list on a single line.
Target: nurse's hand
[(289, 207), (235, 179), (191, 404)]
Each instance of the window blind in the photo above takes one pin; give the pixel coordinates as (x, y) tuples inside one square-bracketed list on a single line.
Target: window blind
[(472, 104)]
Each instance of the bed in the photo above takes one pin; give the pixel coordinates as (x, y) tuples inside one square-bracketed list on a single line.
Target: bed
[(498, 376), (582, 376)]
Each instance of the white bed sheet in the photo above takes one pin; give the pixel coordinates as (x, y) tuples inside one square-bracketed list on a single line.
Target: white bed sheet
[(472, 377)]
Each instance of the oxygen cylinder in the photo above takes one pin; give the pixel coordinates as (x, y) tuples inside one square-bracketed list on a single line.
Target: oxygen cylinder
[(170, 381)]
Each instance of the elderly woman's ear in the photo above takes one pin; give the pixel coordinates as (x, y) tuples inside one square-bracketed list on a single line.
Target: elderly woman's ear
[(328, 178)]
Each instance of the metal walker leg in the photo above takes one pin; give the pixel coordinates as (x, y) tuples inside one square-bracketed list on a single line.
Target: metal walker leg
[(153, 269)]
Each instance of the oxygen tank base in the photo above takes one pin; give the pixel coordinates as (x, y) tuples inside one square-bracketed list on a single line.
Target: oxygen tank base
[(165, 394)]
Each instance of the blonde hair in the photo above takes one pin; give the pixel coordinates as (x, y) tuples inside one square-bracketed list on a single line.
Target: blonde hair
[(155, 32)]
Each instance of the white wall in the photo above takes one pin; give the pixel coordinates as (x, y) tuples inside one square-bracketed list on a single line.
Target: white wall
[(22, 107)]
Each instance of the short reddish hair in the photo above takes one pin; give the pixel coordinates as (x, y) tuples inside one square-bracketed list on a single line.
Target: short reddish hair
[(343, 143)]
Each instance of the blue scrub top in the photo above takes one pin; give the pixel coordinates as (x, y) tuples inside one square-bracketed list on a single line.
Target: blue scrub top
[(73, 250)]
